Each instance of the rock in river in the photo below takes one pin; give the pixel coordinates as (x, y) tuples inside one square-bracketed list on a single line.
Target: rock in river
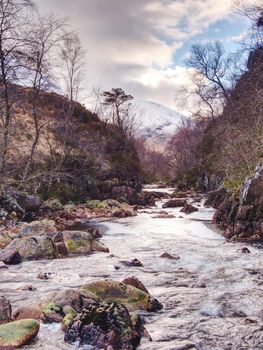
[(174, 203), (112, 291), (105, 326), (18, 333), (5, 310)]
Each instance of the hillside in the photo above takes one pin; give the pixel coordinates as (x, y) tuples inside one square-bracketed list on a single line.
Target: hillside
[(156, 122), (78, 156)]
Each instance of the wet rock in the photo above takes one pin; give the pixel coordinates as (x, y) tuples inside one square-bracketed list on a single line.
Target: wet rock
[(112, 291), (62, 249), (44, 275), (135, 282), (174, 203), (132, 263), (34, 248), (18, 333), (188, 209), (215, 198), (52, 312), (5, 310), (10, 257), (169, 256), (105, 326), (245, 250)]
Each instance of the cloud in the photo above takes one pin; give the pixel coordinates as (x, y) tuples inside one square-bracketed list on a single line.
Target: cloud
[(131, 44)]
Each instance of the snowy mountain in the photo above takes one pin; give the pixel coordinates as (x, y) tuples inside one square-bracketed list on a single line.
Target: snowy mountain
[(156, 122)]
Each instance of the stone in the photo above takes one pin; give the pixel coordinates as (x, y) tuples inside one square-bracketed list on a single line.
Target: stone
[(3, 266), (245, 250), (133, 263), (169, 256), (28, 202), (5, 310), (18, 333), (113, 291), (34, 248), (105, 326), (174, 203), (188, 209), (10, 257), (52, 204)]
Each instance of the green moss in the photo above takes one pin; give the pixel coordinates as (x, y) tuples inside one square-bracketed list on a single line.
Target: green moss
[(73, 245), (93, 204)]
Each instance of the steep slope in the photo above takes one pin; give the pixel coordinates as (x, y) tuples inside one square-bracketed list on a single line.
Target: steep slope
[(78, 156)]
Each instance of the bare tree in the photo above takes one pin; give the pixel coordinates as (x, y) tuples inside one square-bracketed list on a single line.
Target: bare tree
[(212, 77), (72, 56), (47, 34), (12, 20)]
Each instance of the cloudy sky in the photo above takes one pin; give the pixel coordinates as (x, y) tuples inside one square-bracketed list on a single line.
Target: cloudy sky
[(142, 45)]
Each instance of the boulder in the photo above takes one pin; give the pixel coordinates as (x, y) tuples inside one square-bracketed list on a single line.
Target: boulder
[(174, 203), (105, 326), (10, 257), (188, 209), (112, 291), (18, 333), (78, 242), (25, 312), (38, 228), (5, 310), (34, 248)]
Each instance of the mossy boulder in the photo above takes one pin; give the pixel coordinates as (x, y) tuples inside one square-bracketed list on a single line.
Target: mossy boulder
[(18, 333), (111, 291), (78, 242), (34, 248), (105, 326)]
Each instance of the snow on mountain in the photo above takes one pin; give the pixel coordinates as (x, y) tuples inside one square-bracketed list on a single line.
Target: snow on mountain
[(155, 121)]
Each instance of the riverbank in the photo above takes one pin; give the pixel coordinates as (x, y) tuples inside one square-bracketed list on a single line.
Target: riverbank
[(211, 289)]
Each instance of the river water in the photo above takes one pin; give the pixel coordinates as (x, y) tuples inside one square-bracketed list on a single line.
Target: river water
[(212, 296)]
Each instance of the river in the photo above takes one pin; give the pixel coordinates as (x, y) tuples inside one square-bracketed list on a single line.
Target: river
[(212, 295)]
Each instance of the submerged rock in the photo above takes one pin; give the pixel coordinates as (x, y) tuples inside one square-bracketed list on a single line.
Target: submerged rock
[(132, 263), (105, 326), (18, 333), (135, 282), (112, 291), (169, 256)]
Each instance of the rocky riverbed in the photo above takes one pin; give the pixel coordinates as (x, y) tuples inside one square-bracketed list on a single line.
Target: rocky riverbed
[(211, 290)]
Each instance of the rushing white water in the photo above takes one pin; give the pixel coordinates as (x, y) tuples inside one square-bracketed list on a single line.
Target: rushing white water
[(212, 296)]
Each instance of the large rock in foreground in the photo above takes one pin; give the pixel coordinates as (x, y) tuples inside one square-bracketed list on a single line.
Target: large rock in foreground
[(105, 326), (111, 291), (19, 333)]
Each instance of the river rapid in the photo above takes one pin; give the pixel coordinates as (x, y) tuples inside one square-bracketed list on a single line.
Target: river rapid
[(212, 295)]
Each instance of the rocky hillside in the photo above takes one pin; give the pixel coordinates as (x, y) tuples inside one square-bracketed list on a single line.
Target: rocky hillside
[(77, 157)]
